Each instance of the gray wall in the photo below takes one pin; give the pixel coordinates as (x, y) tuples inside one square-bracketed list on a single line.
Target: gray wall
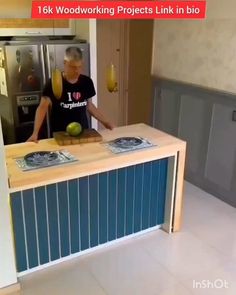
[(204, 118)]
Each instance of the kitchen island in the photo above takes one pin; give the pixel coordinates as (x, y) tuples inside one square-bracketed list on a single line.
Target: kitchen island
[(61, 211)]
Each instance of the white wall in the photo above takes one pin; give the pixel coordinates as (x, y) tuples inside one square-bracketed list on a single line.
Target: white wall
[(199, 52), (93, 61)]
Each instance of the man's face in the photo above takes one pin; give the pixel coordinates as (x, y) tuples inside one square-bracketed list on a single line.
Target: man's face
[(73, 69)]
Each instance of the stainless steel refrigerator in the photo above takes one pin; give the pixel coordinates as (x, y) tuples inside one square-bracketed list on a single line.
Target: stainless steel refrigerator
[(24, 69)]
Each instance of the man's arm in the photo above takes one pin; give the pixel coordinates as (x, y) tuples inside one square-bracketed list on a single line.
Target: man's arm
[(94, 111), (39, 117)]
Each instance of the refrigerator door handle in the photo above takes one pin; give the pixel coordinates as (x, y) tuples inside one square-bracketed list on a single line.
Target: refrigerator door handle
[(44, 82), (43, 64), (48, 62)]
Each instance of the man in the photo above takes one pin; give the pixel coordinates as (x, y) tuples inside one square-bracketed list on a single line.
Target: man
[(75, 101)]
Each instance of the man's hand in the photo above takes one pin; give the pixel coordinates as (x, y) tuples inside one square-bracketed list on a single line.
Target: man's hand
[(33, 138), (108, 125), (94, 111)]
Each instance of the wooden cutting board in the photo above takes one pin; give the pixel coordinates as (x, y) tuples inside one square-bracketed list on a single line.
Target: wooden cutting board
[(88, 135)]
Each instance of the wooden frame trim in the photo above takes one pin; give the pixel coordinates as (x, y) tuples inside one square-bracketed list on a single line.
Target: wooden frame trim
[(174, 192), (170, 194), (25, 23), (179, 190)]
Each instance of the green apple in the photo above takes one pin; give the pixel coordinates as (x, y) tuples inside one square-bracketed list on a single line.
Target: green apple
[(74, 129)]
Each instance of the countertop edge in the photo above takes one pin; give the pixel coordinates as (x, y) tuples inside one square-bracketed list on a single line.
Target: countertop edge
[(121, 162)]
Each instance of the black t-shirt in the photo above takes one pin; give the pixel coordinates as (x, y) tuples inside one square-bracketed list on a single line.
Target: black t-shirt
[(71, 107)]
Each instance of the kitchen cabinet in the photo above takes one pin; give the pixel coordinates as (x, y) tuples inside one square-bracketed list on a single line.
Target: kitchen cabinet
[(25, 26), (15, 8), (36, 27)]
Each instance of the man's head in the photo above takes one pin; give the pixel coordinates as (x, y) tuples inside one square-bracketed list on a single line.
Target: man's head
[(73, 63)]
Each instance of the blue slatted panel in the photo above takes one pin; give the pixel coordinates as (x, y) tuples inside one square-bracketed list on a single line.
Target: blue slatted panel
[(56, 220), (41, 217), (138, 197), (112, 201), (121, 199), (19, 232), (31, 239), (64, 218), (53, 222), (74, 215), (146, 196), (129, 216), (84, 212), (93, 200), (103, 201)]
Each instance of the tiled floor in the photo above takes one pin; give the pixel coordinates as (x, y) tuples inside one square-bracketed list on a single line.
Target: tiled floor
[(201, 259)]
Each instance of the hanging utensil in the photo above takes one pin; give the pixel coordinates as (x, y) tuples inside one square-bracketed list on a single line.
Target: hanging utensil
[(19, 71)]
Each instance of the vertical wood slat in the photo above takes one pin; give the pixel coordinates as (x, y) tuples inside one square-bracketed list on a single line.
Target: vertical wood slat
[(84, 214), (53, 222), (146, 195), (40, 203), (64, 218), (121, 195), (129, 200), (30, 227), (112, 205), (19, 233), (75, 215), (102, 195), (93, 199)]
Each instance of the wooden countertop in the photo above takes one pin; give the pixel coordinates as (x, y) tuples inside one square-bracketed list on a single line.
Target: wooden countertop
[(93, 157)]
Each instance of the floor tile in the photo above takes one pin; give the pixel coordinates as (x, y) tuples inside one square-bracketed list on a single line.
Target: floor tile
[(221, 281), (177, 289), (60, 281), (129, 270), (182, 253)]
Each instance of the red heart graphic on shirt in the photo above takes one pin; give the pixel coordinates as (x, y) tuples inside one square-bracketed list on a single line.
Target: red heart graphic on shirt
[(76, 95)]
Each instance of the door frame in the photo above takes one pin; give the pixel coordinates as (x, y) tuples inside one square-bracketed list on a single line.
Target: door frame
[(124, 72)]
